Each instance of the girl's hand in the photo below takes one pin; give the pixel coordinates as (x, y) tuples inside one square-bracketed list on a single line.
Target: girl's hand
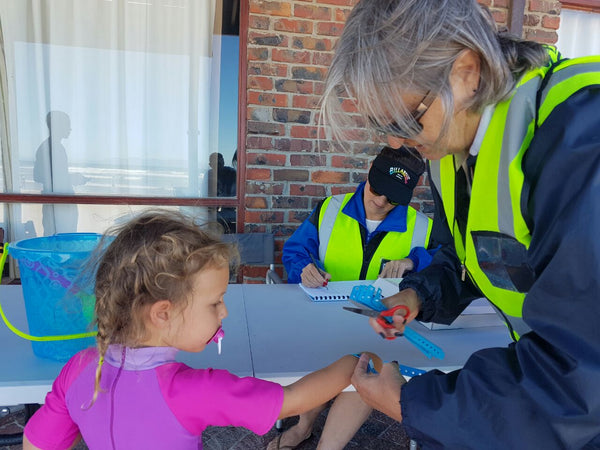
[(380, 391), (406, 297)]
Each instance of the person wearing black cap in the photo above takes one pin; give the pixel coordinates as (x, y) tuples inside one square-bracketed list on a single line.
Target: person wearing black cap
[(369, 233)]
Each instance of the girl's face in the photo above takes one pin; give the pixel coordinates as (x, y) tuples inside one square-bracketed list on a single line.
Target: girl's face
[(194, 326)]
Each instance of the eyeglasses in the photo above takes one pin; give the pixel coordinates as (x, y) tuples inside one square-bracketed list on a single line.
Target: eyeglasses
[(393, 129), (377, 194)]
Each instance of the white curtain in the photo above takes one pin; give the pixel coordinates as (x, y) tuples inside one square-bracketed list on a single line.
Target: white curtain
[(105, 97), (578, 34)]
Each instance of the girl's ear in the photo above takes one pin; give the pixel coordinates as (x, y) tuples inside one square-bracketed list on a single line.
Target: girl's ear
[(160, 313)]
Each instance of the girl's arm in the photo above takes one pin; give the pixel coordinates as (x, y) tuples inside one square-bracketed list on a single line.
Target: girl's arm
[(317, 387), (27, 445)]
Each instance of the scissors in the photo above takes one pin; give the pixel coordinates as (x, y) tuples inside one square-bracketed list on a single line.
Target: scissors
[(384, 318)]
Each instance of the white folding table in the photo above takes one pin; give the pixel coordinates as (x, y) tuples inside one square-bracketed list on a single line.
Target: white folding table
[(272, 332)]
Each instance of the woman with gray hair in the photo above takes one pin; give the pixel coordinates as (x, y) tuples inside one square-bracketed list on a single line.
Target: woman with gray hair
[(510, 129)]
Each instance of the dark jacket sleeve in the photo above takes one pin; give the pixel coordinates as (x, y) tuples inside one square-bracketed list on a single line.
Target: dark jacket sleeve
[(300, 245), (443, 275), (541, 392)]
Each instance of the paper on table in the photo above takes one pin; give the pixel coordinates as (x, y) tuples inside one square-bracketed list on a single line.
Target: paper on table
[(336, 291)]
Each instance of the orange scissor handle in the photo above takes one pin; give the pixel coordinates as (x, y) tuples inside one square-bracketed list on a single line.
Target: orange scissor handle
[(385, 318)]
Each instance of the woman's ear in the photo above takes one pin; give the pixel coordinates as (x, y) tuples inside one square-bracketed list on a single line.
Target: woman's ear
[(160, 313), (465, 74)]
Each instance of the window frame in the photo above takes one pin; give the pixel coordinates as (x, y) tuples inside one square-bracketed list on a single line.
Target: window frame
[(582, 5), (215, 202)]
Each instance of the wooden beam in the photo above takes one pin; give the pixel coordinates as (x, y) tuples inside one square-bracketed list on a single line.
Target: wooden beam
[(582, 5), (516, 14)]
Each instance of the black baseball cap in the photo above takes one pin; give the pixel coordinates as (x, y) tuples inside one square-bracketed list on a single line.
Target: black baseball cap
[(393, 179)]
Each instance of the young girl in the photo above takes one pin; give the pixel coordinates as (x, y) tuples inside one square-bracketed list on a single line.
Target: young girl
[(159, 289)]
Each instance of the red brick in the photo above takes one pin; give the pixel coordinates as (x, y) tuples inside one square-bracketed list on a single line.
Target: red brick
[(307, 132), (257, 127), (264, 188), (329, 177), (301, 145), (309, 73), (290, 175), (551, 22), (256, 202), (258, 22), (544, 6), (260, 83), (500, 16), (341, 15), (330, 28), (531, 20), (310, 43), (266, 159), (542, 36), (263, 217), (298, 216), (319, 88), (313, 190), (282, 144), (267, 69), (293, 26), (336, 190), (290, 56), (306, 101), (322, 59), (275, 8), (501, 4), (270, 39), (290, 202), (259, 142), (295, 86), (258, 54), (267, 99), (348, 162), (308, 160), (338, 2), (312, 12), (258, 174), (349, 106)]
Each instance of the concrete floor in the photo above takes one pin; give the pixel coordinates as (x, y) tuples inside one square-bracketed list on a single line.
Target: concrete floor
[(378, 433)]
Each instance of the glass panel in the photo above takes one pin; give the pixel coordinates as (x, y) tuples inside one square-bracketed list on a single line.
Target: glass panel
[(129, 102), (34, 219)]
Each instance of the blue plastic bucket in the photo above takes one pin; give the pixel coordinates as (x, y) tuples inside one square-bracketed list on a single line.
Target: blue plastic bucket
[(59, 300)]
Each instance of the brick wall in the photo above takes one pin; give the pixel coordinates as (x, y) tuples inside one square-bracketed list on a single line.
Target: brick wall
[(290, 167)]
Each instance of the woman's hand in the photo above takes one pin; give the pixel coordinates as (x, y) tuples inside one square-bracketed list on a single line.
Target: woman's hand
[(397, 268), (380, 391), (311, 276), (406, 297)]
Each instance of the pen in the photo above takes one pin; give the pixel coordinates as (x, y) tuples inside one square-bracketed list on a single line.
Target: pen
[(314, 261)]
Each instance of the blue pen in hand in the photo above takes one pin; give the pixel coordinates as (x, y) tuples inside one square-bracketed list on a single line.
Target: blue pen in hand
[(321, 271)]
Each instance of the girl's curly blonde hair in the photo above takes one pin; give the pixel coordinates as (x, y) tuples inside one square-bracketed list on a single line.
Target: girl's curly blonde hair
[(152, 257)]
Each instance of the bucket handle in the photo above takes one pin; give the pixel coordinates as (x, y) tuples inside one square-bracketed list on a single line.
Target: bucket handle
[(29, 336)]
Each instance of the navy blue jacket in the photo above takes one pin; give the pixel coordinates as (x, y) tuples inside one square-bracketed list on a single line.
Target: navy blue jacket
[(542, 392)]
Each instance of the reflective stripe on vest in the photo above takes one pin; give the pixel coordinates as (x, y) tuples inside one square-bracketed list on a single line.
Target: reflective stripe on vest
[(495, 205), (340, 242)]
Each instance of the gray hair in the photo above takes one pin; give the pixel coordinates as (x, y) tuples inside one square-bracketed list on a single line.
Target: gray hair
[(394, 47)]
